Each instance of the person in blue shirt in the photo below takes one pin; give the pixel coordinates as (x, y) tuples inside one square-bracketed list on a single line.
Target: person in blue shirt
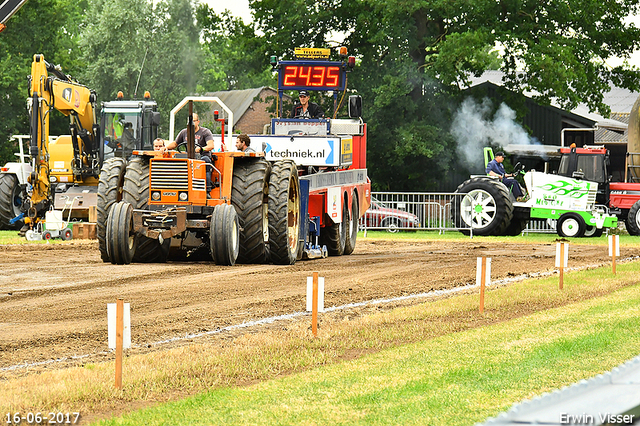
[(496, 169)]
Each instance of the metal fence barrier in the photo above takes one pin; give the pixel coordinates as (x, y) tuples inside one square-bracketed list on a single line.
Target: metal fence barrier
[(413, 211)]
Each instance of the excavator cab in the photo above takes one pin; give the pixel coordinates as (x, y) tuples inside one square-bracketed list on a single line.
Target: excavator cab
[(128, 126)]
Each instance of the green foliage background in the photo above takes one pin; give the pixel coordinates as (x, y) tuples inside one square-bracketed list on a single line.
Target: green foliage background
[(414, 60)]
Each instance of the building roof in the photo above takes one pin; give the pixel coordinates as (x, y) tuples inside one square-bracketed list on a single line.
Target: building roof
[(618, 99), (610, 130), (604, 135), (239, 101)]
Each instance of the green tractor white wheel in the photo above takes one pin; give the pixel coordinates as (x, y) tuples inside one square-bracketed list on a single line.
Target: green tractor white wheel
[(485, 207), (571, 225)]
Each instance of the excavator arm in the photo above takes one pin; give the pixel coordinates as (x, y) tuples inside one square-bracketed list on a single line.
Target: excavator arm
[(7, 9), (52, 89)]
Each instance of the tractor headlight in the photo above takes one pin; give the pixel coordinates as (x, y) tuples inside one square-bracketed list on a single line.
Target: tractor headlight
[(183, 196), (155, 195), (53, 179)]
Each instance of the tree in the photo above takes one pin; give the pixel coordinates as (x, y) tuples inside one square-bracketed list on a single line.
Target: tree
[(48, 27), (415, 57), (236, 57), (132, 46)]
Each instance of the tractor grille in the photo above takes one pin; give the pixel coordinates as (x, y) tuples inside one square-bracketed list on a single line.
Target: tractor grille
[(170, 175), (592, 196), (199, 184)]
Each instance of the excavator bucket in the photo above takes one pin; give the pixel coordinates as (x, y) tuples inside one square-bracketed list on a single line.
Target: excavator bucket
[(7, 9)]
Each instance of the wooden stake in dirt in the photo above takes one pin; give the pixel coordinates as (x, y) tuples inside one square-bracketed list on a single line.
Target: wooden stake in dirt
[(483, 277), (614, 250), (315, 299), (562, 259), (119, 320)]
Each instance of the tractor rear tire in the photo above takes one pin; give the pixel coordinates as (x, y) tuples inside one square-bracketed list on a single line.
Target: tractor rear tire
[(571, 225), (516, 227), (487, 209), (335, 236), (284, 213), (633, 219), (10, 202), (109, 193), (120, 239), (352, 229), (136, 193), (250, 197), (224, 235)]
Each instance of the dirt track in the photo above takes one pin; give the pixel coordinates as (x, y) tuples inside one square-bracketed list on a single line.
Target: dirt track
[(53, 297)]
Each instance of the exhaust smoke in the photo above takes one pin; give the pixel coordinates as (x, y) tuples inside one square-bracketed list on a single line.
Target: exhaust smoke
[(474, 128)]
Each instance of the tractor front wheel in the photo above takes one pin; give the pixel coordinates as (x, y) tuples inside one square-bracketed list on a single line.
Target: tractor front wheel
[(109, 192), (224, 235), (571, 225), (136, 193), (593, 232), (120, 238)]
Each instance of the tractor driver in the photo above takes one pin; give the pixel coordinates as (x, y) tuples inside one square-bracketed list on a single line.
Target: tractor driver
[(496, 169), (306, 109), (127, 139), (204, 146)]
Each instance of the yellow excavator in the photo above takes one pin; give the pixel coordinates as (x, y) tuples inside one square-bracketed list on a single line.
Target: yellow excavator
[(64, 173), (68, 167), (73, 159)]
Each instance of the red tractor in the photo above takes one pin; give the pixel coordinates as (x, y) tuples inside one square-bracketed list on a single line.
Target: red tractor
[(592, 163)]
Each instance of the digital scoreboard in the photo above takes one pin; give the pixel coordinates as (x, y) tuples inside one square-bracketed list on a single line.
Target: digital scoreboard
[(312, 75)]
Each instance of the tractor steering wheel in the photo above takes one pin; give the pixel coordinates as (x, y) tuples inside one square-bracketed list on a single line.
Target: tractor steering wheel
[(518, 168), (182, 145)]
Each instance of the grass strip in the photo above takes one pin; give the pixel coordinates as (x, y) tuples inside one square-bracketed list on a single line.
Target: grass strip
[(288, 348), (11, 237), (455, 379), (532, 238)]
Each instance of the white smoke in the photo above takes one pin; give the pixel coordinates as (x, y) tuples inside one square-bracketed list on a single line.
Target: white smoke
[(474, 128)]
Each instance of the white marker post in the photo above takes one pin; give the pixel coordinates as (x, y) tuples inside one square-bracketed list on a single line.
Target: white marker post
[(315, 300), (483, 277), (119, 330), (562, 259), (614, 250)]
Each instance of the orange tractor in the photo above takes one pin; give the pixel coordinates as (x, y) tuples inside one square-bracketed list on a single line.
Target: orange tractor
[(300, 197), (165, 196)]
